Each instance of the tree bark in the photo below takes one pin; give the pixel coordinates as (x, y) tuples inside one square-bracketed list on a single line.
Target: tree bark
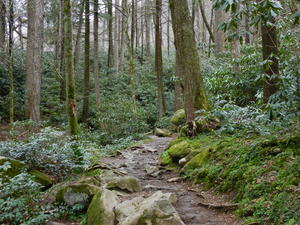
[(110, 61), (2, 25), (194, 92), (86, 75), (96, 52), (178, 85), (116, 36), (69, 70), (147, 27), (10, 67), (159, 61), (270, 52), (34, 58), (219, 34), (78, 37)]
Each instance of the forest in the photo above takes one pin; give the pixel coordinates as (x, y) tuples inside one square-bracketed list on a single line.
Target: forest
[(149, 112)]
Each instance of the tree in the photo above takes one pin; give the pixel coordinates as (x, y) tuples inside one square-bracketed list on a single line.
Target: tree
[(96, 52), (86, 75), (158, 61), (110, 61), (34, 58), (219, 34), (201, 6), (10, 63), (78, 36), (69, 70), (194, 92), (2, 25)]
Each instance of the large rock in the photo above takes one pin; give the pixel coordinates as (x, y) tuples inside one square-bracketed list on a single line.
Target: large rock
[(101, 209), (126, 183), (178, 119), (199, 160), (179, 150), (155, 210), (41, 178), (159, 132)]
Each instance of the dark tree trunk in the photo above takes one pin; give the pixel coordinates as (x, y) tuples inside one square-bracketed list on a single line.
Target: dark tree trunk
[(110, 61), (270, 52)]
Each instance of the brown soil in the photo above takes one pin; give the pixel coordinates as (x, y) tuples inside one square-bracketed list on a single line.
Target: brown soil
[(133, 162)]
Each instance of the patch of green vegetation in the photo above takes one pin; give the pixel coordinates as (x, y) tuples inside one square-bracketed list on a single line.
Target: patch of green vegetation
[(263, 171)]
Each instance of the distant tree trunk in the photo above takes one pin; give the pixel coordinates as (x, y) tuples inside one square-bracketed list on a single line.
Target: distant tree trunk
[(20, 32), (168, 32), (270, 52), (188, 59), (69, 70), (2, 25), (86, 76), (219, 34), (61, 54), (159, 61), (132, 25), (34, 58), (110, 61), (96, 52), (147, 27), (201, 4), (10, 67), (142, 29), (137, 43), (116, 36), (123, 30), (78, 37), (247, 27)]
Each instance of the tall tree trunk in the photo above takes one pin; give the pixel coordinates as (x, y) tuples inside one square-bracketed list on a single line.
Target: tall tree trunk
[(188, 59), (110, 61), (123, 30), (132, 25), (96, 52), (270, 52), (247, 27), (86, 76), (10, 67), (78, 37), (178, 85), (34, 58), (159, 61), (116, 36), (69, 70), (147, 27), (61, 54), (168, 32), (2, 25), (219, 34)]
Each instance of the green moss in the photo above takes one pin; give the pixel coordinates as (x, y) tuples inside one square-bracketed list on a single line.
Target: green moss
[(16, 167), (165, 158), (199, 160), (41, 178), (178, 118), (179, 150)]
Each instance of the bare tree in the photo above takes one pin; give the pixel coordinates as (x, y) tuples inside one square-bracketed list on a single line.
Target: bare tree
[(96, 52), (34, 58)]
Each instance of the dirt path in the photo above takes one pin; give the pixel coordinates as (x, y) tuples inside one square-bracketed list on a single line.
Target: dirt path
[(134, 161)]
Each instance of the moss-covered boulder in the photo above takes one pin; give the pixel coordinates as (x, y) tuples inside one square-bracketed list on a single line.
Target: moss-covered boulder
[(207, 124), (14, 167), (77, 194), (126, 183), (178, 119), (159, 132), (41, 178), (179, 150), (165, 158), (199, 160), (101, 209)]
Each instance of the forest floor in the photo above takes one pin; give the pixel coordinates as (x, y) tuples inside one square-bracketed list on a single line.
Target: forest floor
[(143, 163)]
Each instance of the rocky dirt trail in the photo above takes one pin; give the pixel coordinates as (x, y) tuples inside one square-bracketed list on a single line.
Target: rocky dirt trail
[(142, 162)]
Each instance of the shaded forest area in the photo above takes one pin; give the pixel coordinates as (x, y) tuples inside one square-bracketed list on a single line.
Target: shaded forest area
[(82, 80)]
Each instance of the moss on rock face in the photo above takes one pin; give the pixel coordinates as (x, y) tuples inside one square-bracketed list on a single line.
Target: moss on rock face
[(127, 183), (101, 209), (178, 118), (179, 150), (162, 132), (16, 167), (199, 160), (41, 178), (165, 158)]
